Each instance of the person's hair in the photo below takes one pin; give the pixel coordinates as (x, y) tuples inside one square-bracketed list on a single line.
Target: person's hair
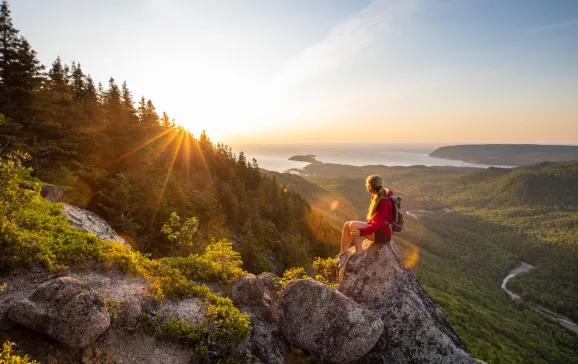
[(376, 182)]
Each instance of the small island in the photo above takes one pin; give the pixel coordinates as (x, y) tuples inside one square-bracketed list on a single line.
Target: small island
[(508, 154), (310, 158)]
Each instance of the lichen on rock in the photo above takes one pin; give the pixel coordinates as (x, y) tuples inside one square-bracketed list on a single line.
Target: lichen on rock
[(330, 326), (65, 310), (416, 331)]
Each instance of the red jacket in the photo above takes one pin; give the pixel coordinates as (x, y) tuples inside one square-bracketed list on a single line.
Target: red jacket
[(384, 212)]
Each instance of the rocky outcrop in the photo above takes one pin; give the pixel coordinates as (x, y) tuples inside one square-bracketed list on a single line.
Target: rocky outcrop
[(379, 314), (91, 222), (416, 331), (256, 296), (125, 340), (65, 310), (247, 290), (330, 326)]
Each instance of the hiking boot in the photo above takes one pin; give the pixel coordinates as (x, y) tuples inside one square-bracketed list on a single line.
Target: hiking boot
[(356, 258), (340, 259)]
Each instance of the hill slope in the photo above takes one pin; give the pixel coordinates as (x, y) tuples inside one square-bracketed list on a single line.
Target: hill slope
[(462, 256), (508, 154), (135, 168)]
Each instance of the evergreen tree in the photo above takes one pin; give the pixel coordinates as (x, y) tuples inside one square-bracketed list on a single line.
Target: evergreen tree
[(19, 70), (101, 94), (91, 92), (128, 111), (166, 121), (116, 200), (91, 102), (152, 115), (112, 105), (77, 82), (57, 74), (8, 51), (141, 111)]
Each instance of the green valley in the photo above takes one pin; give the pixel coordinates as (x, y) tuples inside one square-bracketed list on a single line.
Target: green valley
[(483, 223)]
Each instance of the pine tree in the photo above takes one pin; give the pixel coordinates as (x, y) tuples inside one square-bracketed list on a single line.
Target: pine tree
[(91, 102), (91, 92), (24, 76), (19, 70), (153, 116), (57, 74), (142, 111), (77, 83), (8, 50), (116, 201), (101, 94), (129, 116), (112, 104), (166, 121)]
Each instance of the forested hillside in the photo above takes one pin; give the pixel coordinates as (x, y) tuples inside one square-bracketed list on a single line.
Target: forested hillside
[(135, 166), (538, 201), (498, 217)]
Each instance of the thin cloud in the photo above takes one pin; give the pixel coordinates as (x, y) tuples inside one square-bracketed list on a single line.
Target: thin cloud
[(549, 27), (346, 40), (162, 7)]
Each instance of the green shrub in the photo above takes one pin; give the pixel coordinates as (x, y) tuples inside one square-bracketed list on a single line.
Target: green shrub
[(6, 356), (13, 195), (37, 232), (291, 275), (327, 272), (213, 339)]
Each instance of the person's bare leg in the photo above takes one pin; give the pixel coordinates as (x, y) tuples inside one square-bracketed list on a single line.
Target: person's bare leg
[(345, 237), (356, 225)]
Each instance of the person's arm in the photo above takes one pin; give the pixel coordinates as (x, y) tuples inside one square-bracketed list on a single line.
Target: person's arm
[(378, 220)]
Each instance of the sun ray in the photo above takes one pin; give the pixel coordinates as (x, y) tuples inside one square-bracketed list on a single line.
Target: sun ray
[(169, 172), (163, 145), (141, 146), (201, 155), (187, 158)]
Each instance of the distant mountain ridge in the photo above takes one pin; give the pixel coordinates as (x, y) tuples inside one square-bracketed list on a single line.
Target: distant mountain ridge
[(304, 158), (508, 154)]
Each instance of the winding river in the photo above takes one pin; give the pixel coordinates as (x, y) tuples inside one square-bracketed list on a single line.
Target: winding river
[(525, 267)]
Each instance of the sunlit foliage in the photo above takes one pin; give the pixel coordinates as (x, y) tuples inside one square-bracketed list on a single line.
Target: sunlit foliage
[(39, 233), (6, 356), (135, 166)]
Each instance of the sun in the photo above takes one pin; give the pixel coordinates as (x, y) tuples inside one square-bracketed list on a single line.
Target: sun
[(225, 105)]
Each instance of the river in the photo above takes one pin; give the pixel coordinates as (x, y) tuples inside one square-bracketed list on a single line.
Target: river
[(525, 267)]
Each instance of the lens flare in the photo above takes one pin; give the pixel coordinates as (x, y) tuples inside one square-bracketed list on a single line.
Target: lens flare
[(334, 205), (412, 257)]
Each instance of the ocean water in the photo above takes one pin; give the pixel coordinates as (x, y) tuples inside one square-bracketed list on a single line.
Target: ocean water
[(276, 157)]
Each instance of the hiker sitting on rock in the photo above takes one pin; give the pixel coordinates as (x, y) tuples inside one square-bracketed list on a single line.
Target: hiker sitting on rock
[(377, 228)]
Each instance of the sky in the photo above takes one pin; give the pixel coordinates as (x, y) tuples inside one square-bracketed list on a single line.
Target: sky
[(330, 71)]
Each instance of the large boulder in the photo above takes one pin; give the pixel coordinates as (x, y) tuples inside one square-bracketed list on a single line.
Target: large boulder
[(416, 331), (65, 310), (256, 296), (91, 222), (327, 324), (247, 290)]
